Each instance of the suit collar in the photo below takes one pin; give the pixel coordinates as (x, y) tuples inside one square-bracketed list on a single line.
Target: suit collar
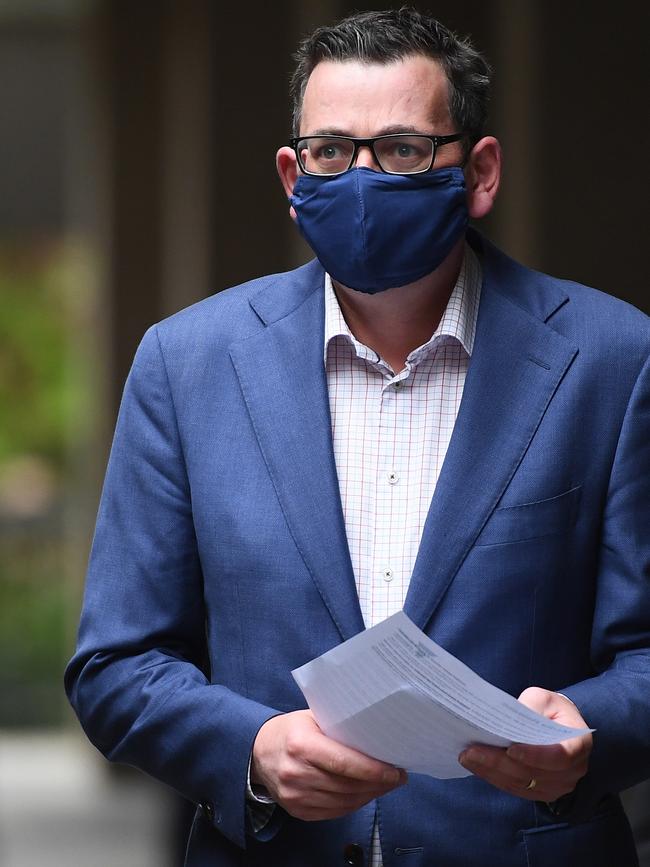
[(532, 291), (282, 294)]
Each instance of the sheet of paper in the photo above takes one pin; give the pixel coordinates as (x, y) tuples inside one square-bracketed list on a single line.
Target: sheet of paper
[(393, 693)]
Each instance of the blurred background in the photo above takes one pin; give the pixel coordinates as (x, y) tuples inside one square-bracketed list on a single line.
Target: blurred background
[(137, 144)]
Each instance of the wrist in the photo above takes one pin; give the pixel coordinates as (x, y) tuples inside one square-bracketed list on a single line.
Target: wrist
[(262, 747)]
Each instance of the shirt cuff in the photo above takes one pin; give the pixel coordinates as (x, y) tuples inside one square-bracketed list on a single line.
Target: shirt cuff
[(259, 805)]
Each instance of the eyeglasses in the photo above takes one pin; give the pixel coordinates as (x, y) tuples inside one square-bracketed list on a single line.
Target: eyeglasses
[(394, 154)]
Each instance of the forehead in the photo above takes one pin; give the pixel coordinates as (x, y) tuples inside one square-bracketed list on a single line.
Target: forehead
[(364, 98)]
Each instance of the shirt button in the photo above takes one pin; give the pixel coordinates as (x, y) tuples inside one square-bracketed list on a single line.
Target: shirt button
[(353, 855), (208, 811), (397, 385), (393, 478), (387, 575)]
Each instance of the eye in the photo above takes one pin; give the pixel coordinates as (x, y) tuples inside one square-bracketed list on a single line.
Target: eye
[(404, 154), (327, 155), (405, 150), (327, 152)]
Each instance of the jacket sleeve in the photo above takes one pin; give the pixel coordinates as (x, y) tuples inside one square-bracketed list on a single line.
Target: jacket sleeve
[(138, 679), (616, 702)]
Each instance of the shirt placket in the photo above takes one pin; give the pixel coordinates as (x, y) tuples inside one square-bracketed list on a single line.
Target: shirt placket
[(391, 501)]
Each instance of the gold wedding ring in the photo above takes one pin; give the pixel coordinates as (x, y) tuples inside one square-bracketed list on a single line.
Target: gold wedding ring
[(532, 784)]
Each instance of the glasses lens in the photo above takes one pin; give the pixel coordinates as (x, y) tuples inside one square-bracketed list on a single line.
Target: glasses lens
[(404, 154), (325, 155)]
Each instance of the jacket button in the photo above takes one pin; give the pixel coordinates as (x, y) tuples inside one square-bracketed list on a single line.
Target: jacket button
[(208, 810), (353, 854)]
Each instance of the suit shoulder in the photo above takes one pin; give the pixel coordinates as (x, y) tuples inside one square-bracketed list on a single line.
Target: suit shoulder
[(605, 307), (230, 314), (609, 325), (542, 294), (606, 329), (228, 307)]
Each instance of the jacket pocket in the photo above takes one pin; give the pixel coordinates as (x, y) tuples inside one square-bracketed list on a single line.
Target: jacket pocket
[(532, 520), (603, 841)]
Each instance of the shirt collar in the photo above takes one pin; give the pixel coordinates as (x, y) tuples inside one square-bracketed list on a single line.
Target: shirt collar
[(458, 322)]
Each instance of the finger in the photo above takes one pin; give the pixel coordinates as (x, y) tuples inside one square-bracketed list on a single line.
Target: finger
[(310, 778), (561, 709), (520, 782), (305, 744), (341, 761), (572, 753), (352, 800), (315, 804), (348, 785), (303, 776), (310, 813), (495, 767)]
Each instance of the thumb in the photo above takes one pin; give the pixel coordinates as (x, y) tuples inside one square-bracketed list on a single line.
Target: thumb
[(541, 700)]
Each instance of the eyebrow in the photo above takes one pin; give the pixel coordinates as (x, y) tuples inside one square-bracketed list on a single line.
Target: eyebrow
[(396, 129)]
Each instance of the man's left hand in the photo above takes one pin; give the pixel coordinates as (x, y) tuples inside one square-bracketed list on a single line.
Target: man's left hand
[(537, 773)]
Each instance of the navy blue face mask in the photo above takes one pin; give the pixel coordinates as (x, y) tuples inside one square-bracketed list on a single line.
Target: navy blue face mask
[(373, 231)]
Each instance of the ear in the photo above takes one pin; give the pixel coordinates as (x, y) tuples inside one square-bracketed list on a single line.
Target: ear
[(287, 166), (482, 176)]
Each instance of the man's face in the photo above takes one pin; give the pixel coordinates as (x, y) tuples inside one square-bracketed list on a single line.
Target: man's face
[(364, 100), (371, 99)]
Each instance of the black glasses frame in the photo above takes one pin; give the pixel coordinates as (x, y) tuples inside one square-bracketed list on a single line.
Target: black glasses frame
[(436, 142)]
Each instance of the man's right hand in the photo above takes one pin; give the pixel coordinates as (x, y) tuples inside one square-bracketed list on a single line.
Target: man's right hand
[(312, 776)]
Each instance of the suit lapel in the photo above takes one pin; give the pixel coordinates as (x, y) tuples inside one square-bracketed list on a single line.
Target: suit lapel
[(517, 364), (282, 377)]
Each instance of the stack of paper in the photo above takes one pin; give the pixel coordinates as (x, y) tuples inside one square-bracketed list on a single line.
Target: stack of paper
[(394, 694)]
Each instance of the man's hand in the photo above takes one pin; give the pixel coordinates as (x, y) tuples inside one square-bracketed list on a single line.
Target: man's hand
[(538, 773), (312, 776)]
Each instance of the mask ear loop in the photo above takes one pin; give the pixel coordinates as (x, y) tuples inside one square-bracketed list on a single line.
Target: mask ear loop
[(468, 154)]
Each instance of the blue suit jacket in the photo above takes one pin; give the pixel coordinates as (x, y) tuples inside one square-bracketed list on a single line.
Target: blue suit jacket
[(220, 563)]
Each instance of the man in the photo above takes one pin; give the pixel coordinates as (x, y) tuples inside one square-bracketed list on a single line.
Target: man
[(412, 420)]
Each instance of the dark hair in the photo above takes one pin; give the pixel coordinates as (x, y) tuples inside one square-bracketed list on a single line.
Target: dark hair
[(382, 37)]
